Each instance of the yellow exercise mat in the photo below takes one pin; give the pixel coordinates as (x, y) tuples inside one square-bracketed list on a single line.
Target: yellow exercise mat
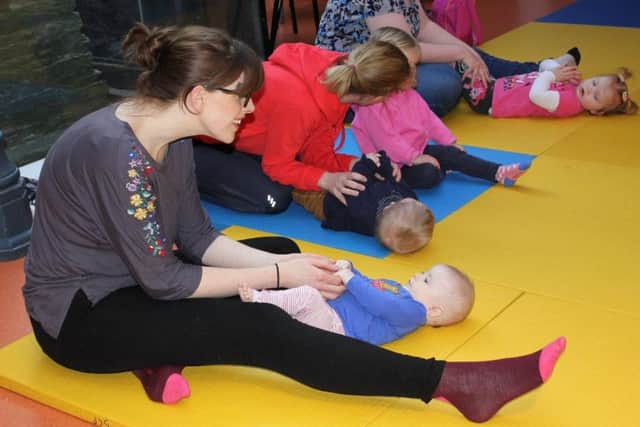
[(602, 48), (569, 229), (224, 395), (594, 383), (611, 140)]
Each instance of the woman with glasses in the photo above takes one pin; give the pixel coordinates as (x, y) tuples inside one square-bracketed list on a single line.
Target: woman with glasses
[(106, 292)]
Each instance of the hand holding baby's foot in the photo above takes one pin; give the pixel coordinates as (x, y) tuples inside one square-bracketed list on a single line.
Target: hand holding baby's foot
[(246, 293)]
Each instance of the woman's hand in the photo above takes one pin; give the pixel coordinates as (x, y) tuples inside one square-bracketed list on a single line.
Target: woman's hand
[(567, 74), (313, 270), (342, 183), (476, 67), (397, 171), (425, 158)]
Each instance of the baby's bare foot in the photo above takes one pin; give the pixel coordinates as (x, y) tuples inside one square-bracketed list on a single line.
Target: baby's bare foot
[(246, 293)]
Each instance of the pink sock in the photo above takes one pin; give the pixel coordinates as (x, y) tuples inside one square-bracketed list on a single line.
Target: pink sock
[(549, 357), (479, 389), (164, 384)]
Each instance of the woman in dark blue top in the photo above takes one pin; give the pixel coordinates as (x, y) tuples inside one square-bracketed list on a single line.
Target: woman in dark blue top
[(348, 23)]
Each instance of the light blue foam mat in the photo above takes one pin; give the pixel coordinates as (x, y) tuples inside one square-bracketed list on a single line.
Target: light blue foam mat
[(454, 192), (617, 13)]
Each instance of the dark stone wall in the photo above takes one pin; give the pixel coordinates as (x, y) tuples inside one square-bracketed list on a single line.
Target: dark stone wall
[(47, 80), (59, 58)]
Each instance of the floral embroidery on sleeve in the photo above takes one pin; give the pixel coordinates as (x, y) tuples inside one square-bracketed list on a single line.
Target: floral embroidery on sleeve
[(142, 201)]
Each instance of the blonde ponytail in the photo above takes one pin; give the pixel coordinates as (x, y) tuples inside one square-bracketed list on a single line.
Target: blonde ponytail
[(625, 104), (375, 68)]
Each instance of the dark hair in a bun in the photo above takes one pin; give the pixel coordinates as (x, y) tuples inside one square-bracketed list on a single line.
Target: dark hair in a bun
[(176, 59)]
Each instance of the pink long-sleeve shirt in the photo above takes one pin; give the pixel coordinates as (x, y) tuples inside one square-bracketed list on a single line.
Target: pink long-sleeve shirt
[(401, 125)]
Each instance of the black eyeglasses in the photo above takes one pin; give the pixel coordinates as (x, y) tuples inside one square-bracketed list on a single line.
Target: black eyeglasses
[(244, 99)]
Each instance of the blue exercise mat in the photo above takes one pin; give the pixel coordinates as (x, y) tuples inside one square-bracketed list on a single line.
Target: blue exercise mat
[(617, 13), (454, 192)]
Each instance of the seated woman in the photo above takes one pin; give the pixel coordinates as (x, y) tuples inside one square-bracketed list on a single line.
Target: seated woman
[(106, 293), (299, 113), (347, 24)]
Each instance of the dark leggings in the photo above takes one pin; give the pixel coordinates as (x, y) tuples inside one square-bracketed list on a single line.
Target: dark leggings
[(128, 330), (427, 175), (235, 180)]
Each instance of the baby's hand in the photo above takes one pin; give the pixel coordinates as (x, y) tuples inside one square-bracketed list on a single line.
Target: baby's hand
[(344, 270), (344, 264), (567, 74), (397, 171), (374, 157), (345, 275)]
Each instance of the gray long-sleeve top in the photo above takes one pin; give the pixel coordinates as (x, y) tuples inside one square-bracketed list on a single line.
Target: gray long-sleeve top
[(107, 216)]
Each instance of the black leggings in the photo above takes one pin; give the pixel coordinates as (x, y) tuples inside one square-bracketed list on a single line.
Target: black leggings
[(450, 158), (235, 180), (128, 330)]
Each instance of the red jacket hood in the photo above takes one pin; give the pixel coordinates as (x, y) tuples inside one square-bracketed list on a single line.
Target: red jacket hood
[(304, 66), (309, 64)]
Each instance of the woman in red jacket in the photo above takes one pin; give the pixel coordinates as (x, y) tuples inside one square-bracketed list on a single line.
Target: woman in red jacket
[(299, 114)]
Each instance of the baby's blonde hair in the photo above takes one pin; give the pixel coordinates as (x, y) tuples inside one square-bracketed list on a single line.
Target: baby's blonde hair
[(401, 39), (624, 103), (462, 298), (405, 227), (375, 68)]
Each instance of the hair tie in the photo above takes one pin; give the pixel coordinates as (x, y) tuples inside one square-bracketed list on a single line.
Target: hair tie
[(354, 67)]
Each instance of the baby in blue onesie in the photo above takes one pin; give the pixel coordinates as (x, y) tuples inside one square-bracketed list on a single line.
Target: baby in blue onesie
[(377, 310)]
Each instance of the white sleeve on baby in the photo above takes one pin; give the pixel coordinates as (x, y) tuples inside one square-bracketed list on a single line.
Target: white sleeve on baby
[(548, 65), (540, 93)]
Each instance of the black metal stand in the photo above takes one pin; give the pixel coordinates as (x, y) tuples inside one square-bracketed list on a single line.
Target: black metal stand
[(15, 212)]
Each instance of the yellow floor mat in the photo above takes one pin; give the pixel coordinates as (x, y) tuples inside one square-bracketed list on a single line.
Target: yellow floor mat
[(594, 381), (225, 395), (568, 230)]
